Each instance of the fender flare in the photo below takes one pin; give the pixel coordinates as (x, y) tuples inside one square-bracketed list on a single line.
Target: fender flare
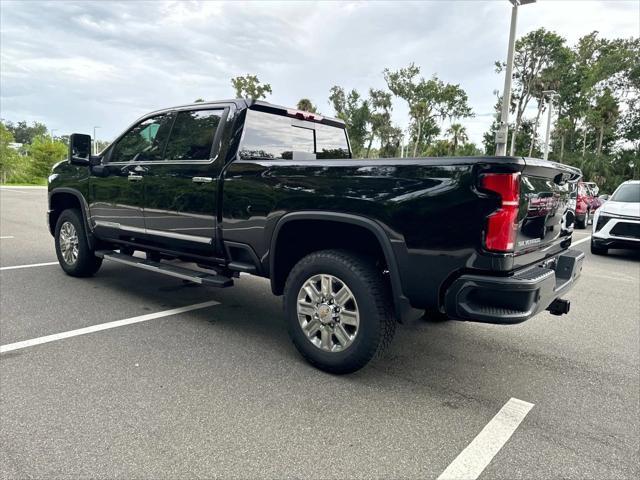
[(84, 207), (401, 304)]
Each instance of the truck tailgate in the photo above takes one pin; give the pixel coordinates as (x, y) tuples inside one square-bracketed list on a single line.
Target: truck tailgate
[(546, 207)]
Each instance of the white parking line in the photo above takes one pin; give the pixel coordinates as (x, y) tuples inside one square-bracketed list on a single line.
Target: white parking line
[(582, 240), (31, 265), (475, 458), (104, 326), (4, 237)]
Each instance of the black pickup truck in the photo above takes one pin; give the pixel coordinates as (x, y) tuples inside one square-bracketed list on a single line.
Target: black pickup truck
[(207, 191)]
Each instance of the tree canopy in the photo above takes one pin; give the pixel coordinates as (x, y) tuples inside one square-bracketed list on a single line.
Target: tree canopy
[(249, 86)]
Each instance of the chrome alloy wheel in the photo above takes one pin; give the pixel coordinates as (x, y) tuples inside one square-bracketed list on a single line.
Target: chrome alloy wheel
[(68, 240), (328, 313)]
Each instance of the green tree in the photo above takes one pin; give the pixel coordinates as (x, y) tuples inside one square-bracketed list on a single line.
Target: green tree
[(536, 54), (603, 117), (9, 158), (469, 149), (458, 135), (439, 148), (381, 127), (354, 111), (24, 133), (428, 100), (199, 100), (249, 86), (44, 152), (306, 105)]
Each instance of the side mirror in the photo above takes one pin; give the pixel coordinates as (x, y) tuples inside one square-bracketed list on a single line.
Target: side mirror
[(79, 149)]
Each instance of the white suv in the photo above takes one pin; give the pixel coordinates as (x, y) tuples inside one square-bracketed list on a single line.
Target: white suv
[(616, 223)]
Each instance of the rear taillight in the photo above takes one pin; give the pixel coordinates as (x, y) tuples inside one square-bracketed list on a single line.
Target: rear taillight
[(502, 225)]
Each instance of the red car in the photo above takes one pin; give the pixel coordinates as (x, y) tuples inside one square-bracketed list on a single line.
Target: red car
[(587, 202)]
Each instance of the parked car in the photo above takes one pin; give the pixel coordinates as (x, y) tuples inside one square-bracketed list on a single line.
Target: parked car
[(587, 202), (617, 223), (354, 245)]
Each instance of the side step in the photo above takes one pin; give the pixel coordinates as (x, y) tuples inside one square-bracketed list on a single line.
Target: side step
[(195, 276)]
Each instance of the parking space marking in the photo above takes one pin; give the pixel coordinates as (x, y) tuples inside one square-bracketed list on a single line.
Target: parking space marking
[(14, 267), (475, 458), (104, 326), (582, 240), (3, 237)]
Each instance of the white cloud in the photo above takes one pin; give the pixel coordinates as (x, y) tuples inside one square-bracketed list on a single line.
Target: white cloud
[(75, 65)]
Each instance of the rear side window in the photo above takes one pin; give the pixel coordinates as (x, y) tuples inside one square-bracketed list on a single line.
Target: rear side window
[(268, 136), (144, 142), (192, 135)]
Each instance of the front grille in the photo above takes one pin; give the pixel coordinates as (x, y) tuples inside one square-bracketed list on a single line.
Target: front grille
[(626, 230)]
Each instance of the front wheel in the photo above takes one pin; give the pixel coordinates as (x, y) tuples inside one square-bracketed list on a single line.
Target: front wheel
[(72, 249), (338, 310), (598, 250)]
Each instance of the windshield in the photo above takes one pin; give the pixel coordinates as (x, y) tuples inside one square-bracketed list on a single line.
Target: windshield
[(629, 193)]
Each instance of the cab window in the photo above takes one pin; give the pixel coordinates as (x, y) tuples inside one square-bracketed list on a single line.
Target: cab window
[(192, 135), (144, 142), (269, 136)]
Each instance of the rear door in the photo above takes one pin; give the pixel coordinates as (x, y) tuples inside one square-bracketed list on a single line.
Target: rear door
[(117, 195), (181, 188)]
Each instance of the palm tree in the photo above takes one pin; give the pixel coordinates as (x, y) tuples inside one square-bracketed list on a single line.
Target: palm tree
[(458, 135)]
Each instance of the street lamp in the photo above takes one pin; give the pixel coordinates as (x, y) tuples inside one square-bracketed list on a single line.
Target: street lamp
[(503, 129), (550, 94), (95, 141)]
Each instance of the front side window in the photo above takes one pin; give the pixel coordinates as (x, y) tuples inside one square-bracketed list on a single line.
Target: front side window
[(192, 135), (629, 193), (144, 142), (269, 136)]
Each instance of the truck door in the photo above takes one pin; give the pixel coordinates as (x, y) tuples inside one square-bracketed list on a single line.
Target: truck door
[(181, 188), (117, 194)]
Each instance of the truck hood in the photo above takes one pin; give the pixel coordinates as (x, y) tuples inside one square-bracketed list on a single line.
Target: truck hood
[(627, 209)]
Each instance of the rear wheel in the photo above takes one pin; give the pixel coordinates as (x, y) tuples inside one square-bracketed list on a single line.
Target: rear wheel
[(581, 223), (598, 250), (72, 249), (338, 310)]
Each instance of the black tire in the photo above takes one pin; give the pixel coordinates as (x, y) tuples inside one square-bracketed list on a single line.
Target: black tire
[(435, 316), (86, 263), (371, 293), (597, 250), (581, 224)]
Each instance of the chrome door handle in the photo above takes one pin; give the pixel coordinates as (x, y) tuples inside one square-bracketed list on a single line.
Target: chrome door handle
[(135, 178), (202, 179)]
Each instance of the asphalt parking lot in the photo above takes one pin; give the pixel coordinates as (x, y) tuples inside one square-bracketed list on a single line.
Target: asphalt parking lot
[(220, 391)]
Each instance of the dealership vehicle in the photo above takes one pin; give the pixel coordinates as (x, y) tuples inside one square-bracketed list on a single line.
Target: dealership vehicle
[(211, 190), (617, 223), (587, 202)]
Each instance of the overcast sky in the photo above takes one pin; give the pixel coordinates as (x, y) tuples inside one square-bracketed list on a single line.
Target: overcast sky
[(78, 65)]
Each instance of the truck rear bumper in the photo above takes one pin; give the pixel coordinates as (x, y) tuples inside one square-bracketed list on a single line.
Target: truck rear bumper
[(514, 299)]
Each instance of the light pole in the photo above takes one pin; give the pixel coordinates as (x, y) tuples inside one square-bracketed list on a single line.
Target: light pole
[(550, 94), (503, 129), (95, 141)]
